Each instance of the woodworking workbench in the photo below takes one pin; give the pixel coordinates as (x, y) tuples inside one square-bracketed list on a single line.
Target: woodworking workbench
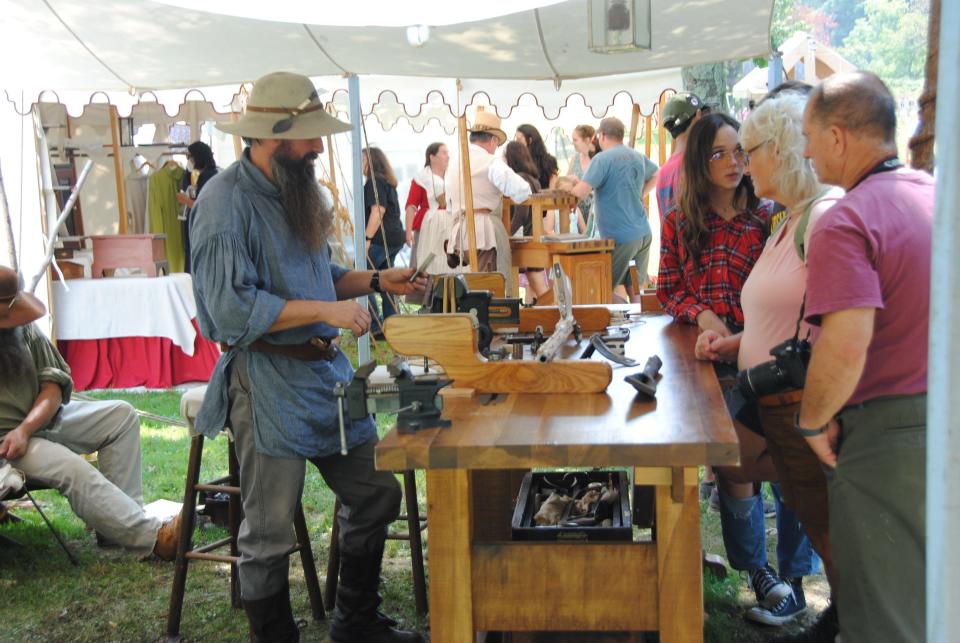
[(481, 581)]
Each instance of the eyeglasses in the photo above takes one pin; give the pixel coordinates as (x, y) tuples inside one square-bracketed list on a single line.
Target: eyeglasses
[(739, 156), (755, 148)]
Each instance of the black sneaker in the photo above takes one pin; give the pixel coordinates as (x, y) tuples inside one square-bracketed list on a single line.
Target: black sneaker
[(769, 588), (824, 630), (788, 608)]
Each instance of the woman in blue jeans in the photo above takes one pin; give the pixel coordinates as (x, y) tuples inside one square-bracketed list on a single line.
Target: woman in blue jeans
[(384, 231)]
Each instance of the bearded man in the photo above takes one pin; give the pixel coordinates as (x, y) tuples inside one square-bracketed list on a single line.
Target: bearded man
[(266, 288)]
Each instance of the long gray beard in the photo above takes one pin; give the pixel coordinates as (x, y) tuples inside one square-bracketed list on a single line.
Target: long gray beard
[(309, 214), (15, 357)]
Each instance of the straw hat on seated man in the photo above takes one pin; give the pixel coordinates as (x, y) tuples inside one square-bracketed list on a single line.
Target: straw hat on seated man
[(42, 433)]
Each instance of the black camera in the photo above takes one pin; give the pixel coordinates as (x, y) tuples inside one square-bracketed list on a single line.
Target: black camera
[(786, 371)]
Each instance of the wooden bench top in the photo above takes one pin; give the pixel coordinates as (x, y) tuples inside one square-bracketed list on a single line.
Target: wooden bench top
[(687, 425)]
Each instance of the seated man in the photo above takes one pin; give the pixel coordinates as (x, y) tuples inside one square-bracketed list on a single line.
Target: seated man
[(42, 433)]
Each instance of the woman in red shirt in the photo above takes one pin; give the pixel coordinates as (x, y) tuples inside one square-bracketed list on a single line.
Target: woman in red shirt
[(427, 222)]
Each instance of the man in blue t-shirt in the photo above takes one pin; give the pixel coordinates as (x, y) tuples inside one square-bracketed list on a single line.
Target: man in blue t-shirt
[(621, 178)]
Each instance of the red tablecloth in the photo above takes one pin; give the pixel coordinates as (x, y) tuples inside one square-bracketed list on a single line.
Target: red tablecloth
[(125, 362)]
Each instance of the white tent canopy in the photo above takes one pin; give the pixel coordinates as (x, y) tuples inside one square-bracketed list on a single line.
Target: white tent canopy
[(130, 45)]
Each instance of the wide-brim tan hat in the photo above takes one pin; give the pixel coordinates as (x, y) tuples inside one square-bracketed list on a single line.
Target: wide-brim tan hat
[(286, 106), (489, 123), (17, 308)]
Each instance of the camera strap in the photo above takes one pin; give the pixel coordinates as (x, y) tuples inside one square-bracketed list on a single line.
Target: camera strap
[(886, 165)]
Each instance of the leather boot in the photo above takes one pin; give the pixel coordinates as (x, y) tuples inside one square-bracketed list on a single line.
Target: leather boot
[(271, 618), (356, 618)]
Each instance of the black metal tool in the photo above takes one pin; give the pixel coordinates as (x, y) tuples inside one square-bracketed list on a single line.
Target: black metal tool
[(646, 380), (611, 346)]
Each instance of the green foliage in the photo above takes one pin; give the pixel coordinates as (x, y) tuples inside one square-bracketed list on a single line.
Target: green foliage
[(890, 39)]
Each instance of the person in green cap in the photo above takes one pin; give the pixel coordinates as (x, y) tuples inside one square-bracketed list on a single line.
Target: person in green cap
[(679, 113)]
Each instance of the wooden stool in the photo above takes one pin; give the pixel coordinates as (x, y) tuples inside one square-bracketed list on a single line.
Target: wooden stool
[(229, 484), (415, 524)]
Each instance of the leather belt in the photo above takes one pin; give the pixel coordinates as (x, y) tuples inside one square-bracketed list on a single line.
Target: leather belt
[(781, 399), (482, 210), (316, 349)]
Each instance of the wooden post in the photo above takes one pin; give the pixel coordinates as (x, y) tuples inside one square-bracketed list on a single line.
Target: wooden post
[(634, 124), (333, 184), (647, 148), (467, 191), (118, 168), (237, 143), (662, 133)]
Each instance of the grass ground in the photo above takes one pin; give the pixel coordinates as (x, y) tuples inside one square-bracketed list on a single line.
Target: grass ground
[(112, 597)]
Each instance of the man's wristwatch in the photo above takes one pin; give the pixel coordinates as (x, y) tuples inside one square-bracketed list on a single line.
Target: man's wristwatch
[(807, 433), (375, 282)]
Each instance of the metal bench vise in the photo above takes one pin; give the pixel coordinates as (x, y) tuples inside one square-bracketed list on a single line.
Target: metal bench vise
[(415, 399)]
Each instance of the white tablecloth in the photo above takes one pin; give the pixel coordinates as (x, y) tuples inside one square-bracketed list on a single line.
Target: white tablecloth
[(127, 307)]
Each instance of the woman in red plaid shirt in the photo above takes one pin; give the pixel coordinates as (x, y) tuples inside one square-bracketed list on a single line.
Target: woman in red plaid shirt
[(711, 239)]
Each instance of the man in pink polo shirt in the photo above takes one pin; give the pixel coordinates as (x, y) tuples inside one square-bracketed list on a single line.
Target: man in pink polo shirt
[(864, 405)]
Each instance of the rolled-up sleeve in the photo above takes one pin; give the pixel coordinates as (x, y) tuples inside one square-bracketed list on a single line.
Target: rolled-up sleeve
[(231, 308), (50, 365)]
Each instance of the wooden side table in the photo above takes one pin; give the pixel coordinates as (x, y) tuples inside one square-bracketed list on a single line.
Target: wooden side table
[(586, 261)]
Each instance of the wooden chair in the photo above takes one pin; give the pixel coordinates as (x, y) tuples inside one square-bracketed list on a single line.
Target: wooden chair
[(415, 524), (229, 484)]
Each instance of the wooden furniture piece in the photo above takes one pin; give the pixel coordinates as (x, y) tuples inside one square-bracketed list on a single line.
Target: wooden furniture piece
[(480, 580), (492, 281), (451, 341), (586, 261), (145, 251), (415, 525), (229, 484)]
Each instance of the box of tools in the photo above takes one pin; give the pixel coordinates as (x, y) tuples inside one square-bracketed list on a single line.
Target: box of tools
[(573, 505)]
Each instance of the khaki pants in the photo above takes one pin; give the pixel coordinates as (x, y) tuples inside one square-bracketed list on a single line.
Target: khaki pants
[(108, 499), (878, 520)]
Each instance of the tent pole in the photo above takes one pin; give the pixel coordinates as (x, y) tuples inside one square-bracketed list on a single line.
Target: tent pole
[(943, 375), (467, 190), (118, 168), (49, 201), (8, 225), (359, 222)]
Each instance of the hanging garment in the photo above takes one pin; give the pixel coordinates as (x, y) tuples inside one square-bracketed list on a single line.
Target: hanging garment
[(163, 206), (136, 190)]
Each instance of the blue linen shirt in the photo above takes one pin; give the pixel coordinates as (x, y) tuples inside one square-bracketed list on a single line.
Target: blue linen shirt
[(617, 175), (247, 264)]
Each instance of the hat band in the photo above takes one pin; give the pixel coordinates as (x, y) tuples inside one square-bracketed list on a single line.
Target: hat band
[(292, 111)]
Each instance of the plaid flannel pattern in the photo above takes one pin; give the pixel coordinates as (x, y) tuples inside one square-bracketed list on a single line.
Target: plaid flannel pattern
[(731, 249)]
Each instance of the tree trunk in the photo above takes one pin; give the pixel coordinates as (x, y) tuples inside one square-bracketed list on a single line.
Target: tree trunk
[(921, 144)]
